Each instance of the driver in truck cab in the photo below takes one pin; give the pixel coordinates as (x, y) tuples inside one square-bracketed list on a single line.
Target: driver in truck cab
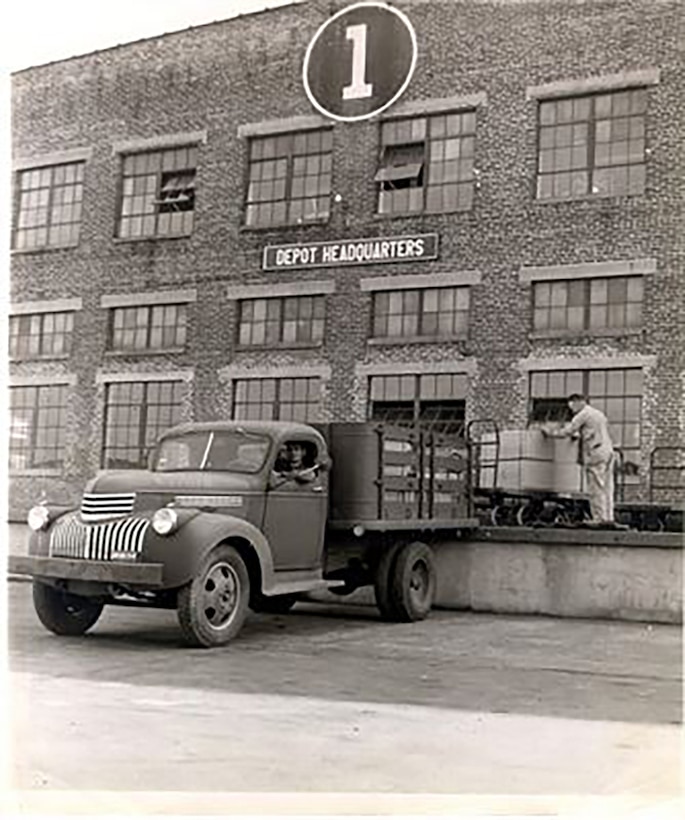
[(295, 462)]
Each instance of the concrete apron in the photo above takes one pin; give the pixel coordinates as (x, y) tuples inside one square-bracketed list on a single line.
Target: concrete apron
[(566, 573)]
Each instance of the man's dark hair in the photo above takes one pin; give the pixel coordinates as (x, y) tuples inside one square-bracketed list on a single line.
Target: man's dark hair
[(576, 397)]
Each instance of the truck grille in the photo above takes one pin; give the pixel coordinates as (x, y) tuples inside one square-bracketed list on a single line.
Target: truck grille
[(71, 538), (99, 506)]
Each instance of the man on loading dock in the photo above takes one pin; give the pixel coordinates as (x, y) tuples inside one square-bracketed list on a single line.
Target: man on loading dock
[(597, 451)]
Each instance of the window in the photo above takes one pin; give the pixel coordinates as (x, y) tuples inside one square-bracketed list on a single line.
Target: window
[(158, 193), (148, 327), (617, 393), (40, 334), (288, 399), (588, 304), (592, 145), (298, 319), (427, 164), (289, 179), (49, 206), (37, 417), (136, 413), (439, 400), (421, 312)]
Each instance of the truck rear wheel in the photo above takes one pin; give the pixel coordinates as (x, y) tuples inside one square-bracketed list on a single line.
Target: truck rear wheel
[(213, 606), (382, 583), (412, 588), (62, 612)]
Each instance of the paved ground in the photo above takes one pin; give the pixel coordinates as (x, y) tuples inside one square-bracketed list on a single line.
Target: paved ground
[(330, 699)]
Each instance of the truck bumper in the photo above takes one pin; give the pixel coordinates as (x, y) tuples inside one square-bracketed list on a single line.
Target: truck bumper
[(147, 575)]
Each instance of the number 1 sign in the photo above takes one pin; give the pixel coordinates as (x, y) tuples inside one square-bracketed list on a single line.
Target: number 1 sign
[(360, 61)]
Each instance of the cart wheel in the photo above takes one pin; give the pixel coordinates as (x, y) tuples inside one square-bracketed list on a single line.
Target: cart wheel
[(499, 515), (413, 582), (62, 612), (213, 606), (526, 514)]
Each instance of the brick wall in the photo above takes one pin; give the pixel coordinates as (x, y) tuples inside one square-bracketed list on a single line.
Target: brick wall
[(246, 70)]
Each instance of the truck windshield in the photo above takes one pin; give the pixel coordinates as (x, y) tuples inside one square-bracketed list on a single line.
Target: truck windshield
[(231, 451)]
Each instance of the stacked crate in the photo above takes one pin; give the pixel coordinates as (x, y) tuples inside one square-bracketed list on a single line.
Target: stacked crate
[(528, 461)]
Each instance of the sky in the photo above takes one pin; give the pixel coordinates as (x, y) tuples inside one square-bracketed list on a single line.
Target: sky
[(40, 31)]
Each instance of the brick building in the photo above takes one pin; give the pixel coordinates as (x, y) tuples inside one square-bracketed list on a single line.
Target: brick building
[(528, 186)]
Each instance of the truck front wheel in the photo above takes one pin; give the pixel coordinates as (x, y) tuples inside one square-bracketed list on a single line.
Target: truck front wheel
[(412, 587), (62, 612), (213, 606)]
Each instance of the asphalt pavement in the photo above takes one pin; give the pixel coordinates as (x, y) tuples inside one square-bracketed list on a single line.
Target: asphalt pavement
[(330, 699)]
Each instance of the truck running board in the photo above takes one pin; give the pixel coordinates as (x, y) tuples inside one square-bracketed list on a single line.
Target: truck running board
[(285, 583)]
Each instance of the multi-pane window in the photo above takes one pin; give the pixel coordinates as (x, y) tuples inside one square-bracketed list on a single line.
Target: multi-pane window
[(427, 164), (438, 401), (421, 312), (286, 399), (148, 327), (282, 320), (136, 413), (49, 203), (40, 334), (588, 304), (289, 179), (592, 145), (37, 420), (158, 193), (617, 393)]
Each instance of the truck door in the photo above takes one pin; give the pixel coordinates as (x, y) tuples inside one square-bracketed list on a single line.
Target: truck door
[(296, 510)]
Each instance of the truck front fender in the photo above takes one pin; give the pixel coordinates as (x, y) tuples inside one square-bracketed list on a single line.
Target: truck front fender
[(183, 552)]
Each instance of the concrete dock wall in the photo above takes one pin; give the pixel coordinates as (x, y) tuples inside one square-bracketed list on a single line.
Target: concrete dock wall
[(566, 573)]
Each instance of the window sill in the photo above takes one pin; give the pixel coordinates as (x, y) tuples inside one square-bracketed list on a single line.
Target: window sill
[(290, 226), (29, 472), (125, 240), (166, 351), (47, 357), (585, 335), (44, 249), (584, 198), (280, 346), (423, 214), (410, 340)]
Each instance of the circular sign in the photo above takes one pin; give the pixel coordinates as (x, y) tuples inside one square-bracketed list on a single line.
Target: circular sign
[(360, 61)]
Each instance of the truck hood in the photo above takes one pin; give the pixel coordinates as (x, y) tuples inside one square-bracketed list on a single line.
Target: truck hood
[(192, 483)]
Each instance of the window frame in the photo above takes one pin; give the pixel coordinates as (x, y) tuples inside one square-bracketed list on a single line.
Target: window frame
[(318, 299), (420, 315), (292, 136), (149, 328), (426, 124), (36, 430), (586, 285), (145, 154), (143, 426), (76, 201), (418, 402), (315, 382), (591, 167), (67, 334)]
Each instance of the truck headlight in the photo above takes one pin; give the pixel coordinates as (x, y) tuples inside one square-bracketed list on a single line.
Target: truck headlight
[(165, 521), (38, 518)]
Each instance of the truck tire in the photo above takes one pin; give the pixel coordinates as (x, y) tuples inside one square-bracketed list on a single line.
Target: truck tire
[(382, 582), (413, 582), (213, 606), (62, 612), (273, 604)]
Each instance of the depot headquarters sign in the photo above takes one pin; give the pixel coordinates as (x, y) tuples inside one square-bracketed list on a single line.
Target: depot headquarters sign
[(351, 252)]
